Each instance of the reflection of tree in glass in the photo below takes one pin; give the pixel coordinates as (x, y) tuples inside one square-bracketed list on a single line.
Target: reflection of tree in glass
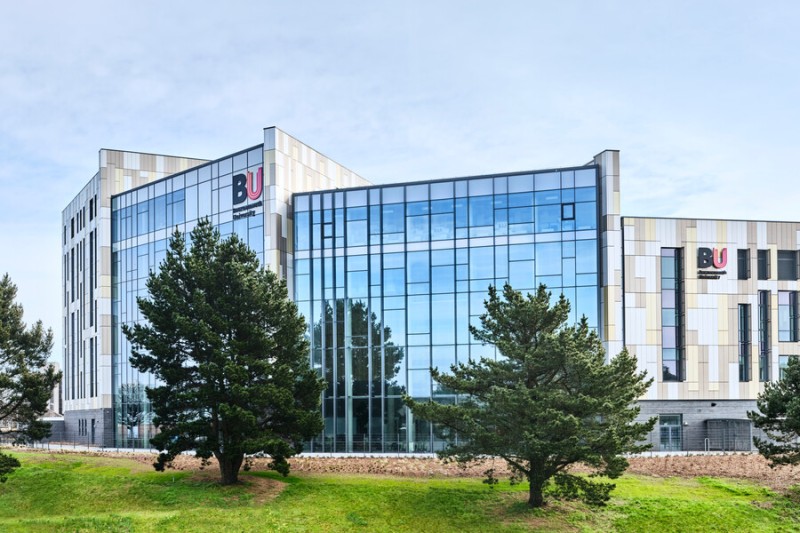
[(356, 322), (131, 410)]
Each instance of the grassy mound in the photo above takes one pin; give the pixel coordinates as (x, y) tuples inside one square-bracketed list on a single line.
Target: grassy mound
[(68, 492)]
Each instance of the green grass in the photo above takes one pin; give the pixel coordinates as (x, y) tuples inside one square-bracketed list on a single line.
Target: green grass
[(82, 493)]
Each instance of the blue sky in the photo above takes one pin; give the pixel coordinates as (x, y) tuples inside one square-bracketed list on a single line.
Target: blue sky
[(700, 97)]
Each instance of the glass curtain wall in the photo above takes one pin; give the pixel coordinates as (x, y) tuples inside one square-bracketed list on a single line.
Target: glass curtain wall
[(390, 278), (142, 222)]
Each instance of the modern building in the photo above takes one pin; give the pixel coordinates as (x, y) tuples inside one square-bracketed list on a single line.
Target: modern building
[(116, 229), (391, 276), (711, 311)]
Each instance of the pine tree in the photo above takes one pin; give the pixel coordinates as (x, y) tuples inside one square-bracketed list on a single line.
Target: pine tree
[(779, 416), (26, 379), (229, 351), (548, 401)]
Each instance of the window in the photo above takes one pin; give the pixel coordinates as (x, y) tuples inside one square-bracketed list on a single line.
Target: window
[(671, 432), (672, 362), (763, 264), (744, 342), (787, 316), (763, 335), (743, 263), (783, 362), (568, 211), (787, 264)]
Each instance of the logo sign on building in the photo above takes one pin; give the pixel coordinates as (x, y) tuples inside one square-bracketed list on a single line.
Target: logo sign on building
[(711, 258), (247, 187)]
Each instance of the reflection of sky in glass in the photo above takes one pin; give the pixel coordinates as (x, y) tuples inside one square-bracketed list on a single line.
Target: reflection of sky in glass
[(423, 256)]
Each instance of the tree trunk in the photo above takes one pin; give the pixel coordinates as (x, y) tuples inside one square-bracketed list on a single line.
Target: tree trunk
[(229, 467), (536, 492)]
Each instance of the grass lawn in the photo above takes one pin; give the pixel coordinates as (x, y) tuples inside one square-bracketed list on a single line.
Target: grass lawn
[(66, 492)]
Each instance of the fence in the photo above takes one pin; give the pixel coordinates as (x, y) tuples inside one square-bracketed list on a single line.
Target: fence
[(711, 436)]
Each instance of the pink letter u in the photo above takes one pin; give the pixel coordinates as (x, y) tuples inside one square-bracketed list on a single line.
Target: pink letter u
[(720, 258), (254, 189)]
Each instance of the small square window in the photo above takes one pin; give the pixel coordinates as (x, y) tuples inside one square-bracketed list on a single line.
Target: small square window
[(568, 211)]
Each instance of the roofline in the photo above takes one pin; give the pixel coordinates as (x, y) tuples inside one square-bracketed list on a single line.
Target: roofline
[(153, 153), (206, 162), (456, 178), (715, 219)]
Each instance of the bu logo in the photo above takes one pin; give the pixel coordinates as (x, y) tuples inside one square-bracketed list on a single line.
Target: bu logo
[(707, 257), (244, 186)]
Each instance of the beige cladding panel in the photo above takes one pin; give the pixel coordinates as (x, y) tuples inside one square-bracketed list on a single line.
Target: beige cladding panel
[(295, 167), (710, 364)]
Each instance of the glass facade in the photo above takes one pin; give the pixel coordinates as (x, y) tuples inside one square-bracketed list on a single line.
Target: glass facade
[(142, 221), (391, 277)]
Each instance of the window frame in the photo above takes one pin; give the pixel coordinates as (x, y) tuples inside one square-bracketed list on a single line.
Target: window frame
[(743, 263)]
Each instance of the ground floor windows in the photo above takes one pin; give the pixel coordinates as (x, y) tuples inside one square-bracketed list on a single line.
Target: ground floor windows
[(671, 432), (676, 433), (728, 435), (86, 428)]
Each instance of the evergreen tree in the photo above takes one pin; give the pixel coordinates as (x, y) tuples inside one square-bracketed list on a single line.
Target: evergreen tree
[(26, 379), (229, 351), (547, 402), (779, 416)]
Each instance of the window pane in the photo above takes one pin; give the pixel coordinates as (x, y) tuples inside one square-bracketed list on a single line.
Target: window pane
[(442, 227), (787, 265), (548, 218), (393, 218), (480, 211), (417, 228), (481, 263), (357, 233), (585, 216), (520, 275), (668, 299), (443, 279), (418, 267)]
